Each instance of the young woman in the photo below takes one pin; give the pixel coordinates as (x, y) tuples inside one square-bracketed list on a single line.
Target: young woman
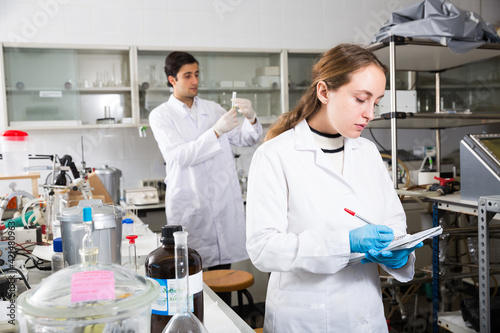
[(312, 166)]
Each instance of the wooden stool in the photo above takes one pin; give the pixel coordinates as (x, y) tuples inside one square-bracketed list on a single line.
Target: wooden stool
[(228, 280)]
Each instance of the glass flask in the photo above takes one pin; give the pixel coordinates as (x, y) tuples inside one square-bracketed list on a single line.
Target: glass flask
[(183, 320)]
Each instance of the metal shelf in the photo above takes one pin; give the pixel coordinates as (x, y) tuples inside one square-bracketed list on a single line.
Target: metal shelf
[(436, 120), (423, 55)]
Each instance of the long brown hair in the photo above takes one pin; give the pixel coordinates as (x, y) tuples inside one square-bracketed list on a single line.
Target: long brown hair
[(335, 68)]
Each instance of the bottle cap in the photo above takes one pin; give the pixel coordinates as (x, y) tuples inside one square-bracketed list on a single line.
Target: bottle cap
[(131, 239), (167, 233), (127, 221), (57, 244), (87, 214)]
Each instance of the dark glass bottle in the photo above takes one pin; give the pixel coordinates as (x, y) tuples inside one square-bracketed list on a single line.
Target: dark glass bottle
[(160, 265)]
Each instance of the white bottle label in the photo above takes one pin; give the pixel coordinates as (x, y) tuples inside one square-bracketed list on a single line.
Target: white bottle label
[(166, 304)]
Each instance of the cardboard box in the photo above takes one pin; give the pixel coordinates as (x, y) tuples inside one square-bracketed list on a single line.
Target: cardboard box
[(98, 192), (267, 81)]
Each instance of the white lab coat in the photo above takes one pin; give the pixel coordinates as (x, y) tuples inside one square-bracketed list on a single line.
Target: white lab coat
[(203, 192), (298, 230)]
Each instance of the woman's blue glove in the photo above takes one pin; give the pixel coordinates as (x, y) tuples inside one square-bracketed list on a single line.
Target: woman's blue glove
[(391, 259), (375, 237)]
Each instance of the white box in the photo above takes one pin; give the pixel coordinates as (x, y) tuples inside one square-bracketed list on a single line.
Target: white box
[(267, 81), (426, 178), (268, 71), (239, 84), (406, 101), (225, 84)]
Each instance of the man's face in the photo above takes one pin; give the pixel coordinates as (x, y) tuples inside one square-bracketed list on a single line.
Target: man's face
[(186, 83)]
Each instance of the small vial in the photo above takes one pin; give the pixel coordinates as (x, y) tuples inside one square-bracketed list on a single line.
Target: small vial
[(127, 228), (232, 103), (57, 260)]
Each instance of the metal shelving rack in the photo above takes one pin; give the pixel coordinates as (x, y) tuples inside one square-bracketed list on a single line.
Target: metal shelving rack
[(428, 56), (411, 54)]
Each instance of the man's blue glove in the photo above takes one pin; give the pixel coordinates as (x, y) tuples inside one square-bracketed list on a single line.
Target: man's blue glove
[(391, 259), (375, 237)]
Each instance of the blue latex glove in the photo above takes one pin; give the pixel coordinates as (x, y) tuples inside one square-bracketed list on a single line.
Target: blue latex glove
[(375, 237), (391, 259)]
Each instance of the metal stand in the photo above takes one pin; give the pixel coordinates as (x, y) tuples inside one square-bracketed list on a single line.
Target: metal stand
[(435, 270), (487, 208)]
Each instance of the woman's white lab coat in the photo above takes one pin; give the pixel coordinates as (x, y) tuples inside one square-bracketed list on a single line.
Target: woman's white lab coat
[(203, 192), (298, 230)]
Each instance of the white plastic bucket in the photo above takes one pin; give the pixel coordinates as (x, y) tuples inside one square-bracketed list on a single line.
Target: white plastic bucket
[(14, 146)]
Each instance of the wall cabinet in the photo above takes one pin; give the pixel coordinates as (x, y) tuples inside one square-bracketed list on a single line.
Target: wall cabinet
[(50, 87), (256, 76), (299, 78), (68, 86)]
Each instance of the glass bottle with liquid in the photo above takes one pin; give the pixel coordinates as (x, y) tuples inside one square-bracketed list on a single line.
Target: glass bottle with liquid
[(183, 320), (160, 265)]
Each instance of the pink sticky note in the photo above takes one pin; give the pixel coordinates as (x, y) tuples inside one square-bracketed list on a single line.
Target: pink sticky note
[(92, 286)]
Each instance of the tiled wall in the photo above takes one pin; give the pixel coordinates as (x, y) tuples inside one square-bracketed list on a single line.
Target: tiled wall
[(293, 24)]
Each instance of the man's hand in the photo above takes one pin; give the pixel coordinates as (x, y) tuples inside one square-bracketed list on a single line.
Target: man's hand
[(227, 122), (244, 106)]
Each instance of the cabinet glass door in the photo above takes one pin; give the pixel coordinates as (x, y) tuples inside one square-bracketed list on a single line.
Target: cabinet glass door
[(48, 87), (299, 75), (255, 76)]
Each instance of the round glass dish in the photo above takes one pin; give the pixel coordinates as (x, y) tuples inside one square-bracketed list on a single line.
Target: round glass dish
[(82, 297)]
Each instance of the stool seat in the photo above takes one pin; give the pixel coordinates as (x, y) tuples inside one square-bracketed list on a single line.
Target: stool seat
[(227, 280)]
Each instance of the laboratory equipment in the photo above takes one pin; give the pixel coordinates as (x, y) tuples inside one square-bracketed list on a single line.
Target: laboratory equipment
[(234, 96), (479, 166), (110, 178), (127, 227), (107, 117), (91, 297), (132, 252), (107, 231), (160, 266), (183, 320), (88, 251), (14, 150), (223, 101), (146, 195), (57, 259)]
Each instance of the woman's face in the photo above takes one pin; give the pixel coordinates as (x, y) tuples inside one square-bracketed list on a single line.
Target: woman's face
[(351, 107)]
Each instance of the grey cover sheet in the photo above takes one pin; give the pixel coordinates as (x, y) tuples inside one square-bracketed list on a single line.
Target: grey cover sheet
[(440, 21)]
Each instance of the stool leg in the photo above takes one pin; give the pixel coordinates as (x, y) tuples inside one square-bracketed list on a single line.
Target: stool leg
[(250, 303), (240, 302)]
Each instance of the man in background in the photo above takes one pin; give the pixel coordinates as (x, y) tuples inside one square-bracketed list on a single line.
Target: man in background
[(203, 192)]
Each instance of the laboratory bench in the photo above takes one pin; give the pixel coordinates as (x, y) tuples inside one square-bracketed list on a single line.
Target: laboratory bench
[(218, 317)]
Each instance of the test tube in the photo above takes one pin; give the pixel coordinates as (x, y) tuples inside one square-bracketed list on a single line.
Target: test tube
[(132, 252), (234, 96)]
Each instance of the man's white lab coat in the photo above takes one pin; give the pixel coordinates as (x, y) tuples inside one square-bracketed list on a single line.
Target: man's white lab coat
[(203, 192), (298, 230)]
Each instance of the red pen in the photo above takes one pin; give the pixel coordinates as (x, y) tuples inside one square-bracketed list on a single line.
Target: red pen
[(358, 216)]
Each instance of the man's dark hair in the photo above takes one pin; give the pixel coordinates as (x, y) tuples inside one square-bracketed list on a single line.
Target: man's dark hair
[(175, 61)]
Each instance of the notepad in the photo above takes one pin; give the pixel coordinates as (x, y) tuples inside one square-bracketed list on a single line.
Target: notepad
[(402, 242)]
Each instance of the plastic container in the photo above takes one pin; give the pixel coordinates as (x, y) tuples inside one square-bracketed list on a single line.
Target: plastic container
[(14, 153), (89, 298), (57, 260), (127, 228)]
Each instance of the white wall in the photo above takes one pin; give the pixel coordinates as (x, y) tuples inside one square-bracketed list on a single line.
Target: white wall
[(299, 24)]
